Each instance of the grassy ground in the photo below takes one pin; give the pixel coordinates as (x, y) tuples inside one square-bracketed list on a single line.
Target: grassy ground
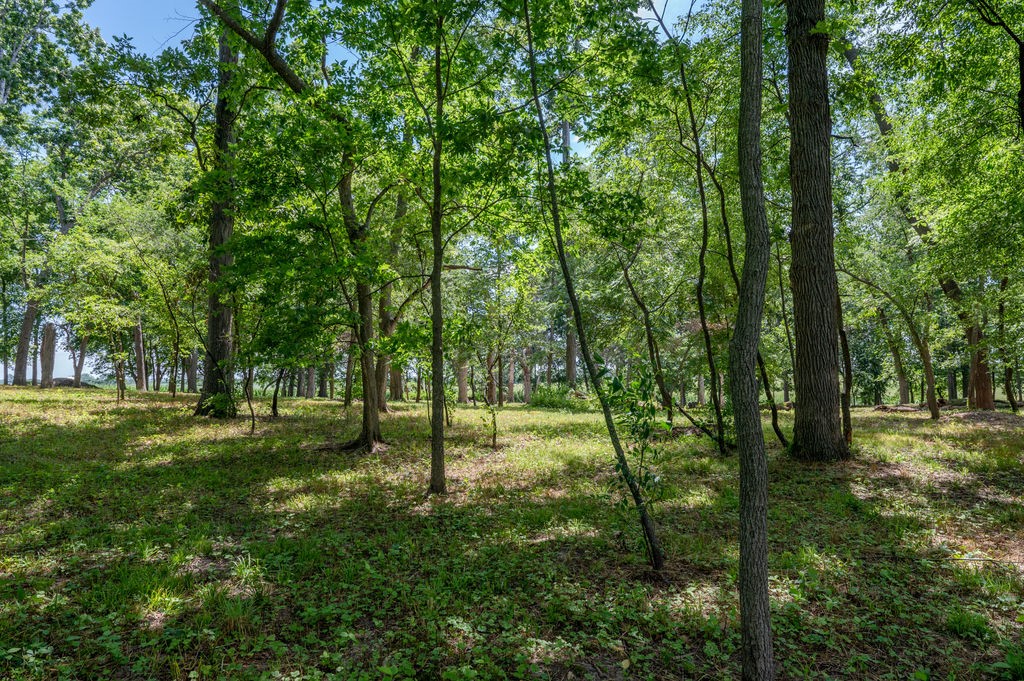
[(138, 542)]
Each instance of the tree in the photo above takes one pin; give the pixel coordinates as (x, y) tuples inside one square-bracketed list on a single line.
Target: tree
[(817, 430)]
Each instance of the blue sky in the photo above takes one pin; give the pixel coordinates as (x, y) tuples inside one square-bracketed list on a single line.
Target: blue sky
[(152, 24)]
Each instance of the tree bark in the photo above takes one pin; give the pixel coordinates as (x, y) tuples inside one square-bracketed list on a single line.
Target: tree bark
[(462, 377), (140, 359), (48, 354), (28, 323), (83, 349), (817, 428), (756, 650), (438, 482), (217, 398), (527, 376)]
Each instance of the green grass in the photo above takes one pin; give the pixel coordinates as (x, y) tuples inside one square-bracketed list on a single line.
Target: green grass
[(138, 542)]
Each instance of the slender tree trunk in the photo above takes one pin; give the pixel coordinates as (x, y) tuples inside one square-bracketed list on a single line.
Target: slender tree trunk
[(489, 390), (656, 554), (193, 371), (349, 368), (277, 391), (527, 376), (140, 359), (951, 386), (83, 349), (462, 374), (511, 377), (701, 397), (847, 395), (1004, 355), (756, 653), (217, 396), (438, 482), (817, 428), (499, 380), (310, 382)]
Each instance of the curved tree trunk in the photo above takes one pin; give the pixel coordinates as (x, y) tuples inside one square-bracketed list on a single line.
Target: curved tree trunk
[(756, 654)]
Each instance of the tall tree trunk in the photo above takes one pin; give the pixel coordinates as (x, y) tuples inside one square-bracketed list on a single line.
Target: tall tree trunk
[(28, 323), (370, 435), (951, 386), (48, 354), (571, 354), (462, 376), (349, 368), (438, 482), (1007, 362), (847, 396), (499, 379), (757, 658), (310, 382), (817, 428), (83, 349), (217, 398), (511, 377), (140, 359), (655, 552), (701, 397), (527, 375), (489, 390), (193, 371), (325, 371)]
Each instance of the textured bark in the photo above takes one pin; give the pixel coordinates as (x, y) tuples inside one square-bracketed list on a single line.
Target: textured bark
[(951, 387), (83, 350), (510, 397), (490, 395), (499, 380), (463, 382), (48, 354), (571, 354), (325, 371), (756, 654), (217, 398), (193, 372), (310, 382), (847, 395), (140, 359), (438, 483), (28, 323), (349, 368), (702, 399), (817, 428), (1007, 363)]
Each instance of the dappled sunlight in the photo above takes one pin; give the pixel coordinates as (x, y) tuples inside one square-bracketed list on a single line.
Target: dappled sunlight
[(184, 537)]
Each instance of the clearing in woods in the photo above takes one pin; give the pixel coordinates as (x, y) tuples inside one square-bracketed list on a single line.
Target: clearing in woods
[(139, 542)]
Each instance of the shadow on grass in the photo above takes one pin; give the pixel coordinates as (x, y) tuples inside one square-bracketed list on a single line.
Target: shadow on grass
[(164, 545)]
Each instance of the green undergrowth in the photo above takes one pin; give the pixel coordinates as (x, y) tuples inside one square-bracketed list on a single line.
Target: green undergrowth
[(139, 542)]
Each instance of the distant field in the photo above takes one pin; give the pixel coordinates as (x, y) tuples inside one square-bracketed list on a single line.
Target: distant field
[(138, 542)]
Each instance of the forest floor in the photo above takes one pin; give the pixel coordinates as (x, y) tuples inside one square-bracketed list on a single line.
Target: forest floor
[(138, 542)]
